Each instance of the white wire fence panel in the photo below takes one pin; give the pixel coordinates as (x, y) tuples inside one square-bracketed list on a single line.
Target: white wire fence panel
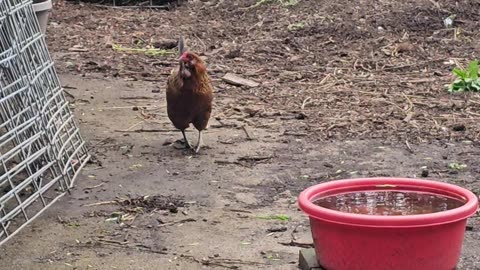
[(41, 150)]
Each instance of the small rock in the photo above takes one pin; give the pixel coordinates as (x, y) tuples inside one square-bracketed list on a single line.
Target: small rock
[(101, 254), (308, 260), (424, 173), (458, 127), (167, 142), (300, 116), (405, 47), (277, 229), (286, 194), (165, 44), (247, 198), (233, 54)]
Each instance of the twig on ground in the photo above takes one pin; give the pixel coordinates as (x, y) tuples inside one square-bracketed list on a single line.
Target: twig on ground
[(296, 244), (100, 203), (93, 187), (177, 222), (244, 128)]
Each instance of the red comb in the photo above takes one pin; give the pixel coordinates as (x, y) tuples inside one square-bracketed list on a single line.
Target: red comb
[(184, 55)]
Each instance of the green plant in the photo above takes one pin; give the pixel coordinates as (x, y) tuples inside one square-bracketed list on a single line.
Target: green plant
[(467, 79), (275, 217), (457, 166), (146, 51), (285, 3), (296, 26)]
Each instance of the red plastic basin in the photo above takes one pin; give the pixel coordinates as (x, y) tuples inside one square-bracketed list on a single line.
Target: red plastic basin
[(345, 241)]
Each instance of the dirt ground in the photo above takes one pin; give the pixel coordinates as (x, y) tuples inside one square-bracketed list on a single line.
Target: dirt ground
[(345, 91)]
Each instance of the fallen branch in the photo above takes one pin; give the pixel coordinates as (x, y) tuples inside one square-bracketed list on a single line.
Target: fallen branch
[(100, 203), (408, 146), (68, 94), (93, 187), (411, 65), (255, 158), (227, 162), (113, 243), (297, 244), (226, 263), (177, 222), (250, 138), (305, 102), (239, 211)]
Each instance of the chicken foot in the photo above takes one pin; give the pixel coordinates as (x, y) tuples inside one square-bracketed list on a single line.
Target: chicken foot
[(187, 144), (199, 143)]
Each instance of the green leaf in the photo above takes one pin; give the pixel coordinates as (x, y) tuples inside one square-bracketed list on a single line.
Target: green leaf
[(457, 166), (457, 86), (475, 87), (277, 217), (460, 73), (296, 26), (473, 70), (467, 80)]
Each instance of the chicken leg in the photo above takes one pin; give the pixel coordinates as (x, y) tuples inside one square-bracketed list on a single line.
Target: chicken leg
[(188, 146), (199, 143)]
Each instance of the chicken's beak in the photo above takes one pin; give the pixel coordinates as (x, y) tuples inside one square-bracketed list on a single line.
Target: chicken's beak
[(182, 58)]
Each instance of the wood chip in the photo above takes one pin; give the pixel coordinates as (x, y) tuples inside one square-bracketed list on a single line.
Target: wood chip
[(239, 81), (77, 50), (408, 117)]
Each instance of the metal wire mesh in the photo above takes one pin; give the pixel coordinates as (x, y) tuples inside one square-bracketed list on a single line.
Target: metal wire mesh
[(41, 150)]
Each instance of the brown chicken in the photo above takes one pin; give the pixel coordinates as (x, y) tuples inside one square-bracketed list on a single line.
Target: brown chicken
[(189, 94)]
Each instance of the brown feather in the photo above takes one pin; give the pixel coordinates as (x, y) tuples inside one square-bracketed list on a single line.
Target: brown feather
[(189, 100)]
